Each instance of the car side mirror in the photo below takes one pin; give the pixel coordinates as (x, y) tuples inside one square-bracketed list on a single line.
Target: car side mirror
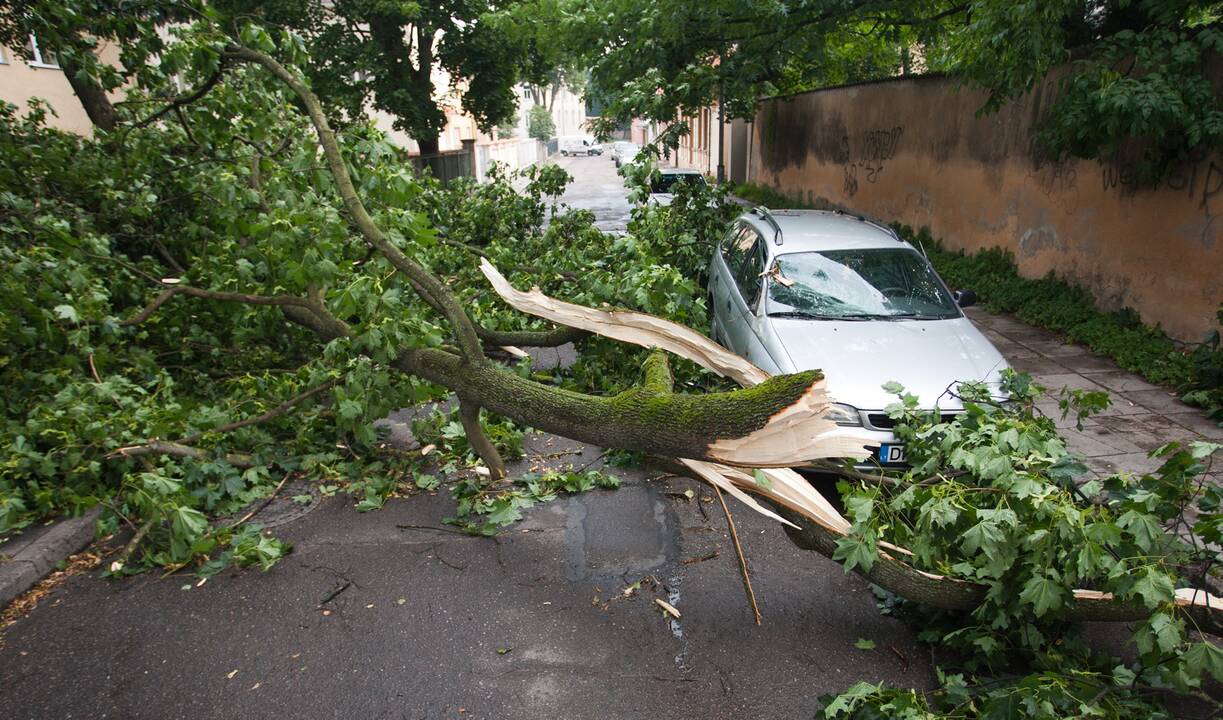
[(964, 298)]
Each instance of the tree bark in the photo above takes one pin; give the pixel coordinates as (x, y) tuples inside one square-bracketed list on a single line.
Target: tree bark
[(93, 98), (469, 415), (649, 418)]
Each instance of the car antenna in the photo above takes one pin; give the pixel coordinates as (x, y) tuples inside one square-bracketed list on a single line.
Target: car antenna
[(767, 216)]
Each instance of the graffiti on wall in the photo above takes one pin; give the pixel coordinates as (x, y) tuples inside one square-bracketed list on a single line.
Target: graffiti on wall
[(866, 154), (1201, 177)]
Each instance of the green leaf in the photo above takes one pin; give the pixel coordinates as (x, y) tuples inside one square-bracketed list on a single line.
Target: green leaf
[(865, 644), (65, 312), (1203, 657), (1043, 594), (188, 522), (856, 550), (1154, 587), (761, 479), (1143, 526)]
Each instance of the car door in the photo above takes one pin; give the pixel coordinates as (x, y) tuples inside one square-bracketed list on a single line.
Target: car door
[(749, 284), (726, 260)]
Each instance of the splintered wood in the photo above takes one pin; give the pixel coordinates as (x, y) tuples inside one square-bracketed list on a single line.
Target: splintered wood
[(795, 436)]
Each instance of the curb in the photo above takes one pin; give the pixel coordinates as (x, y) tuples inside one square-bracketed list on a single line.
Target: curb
[(35, 561)]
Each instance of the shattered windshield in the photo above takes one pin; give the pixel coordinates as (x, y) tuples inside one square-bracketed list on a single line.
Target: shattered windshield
[(881, 283)]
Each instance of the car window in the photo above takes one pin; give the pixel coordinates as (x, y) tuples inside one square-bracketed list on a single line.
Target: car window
[(666, 182), (747, 275), (736, 245), (859, 284)]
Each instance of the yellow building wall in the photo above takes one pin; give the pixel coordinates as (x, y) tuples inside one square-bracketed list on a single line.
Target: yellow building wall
[(19, 82)]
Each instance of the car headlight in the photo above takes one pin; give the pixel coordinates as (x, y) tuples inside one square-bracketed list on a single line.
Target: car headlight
[(846, 415)]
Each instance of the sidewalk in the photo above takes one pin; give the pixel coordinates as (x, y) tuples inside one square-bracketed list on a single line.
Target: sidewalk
[(1142, 416)]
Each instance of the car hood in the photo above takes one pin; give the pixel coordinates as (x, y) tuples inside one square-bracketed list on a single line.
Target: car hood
[(662, 199), (925, 356)]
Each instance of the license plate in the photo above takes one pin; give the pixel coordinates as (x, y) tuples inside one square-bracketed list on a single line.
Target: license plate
[(889, 454)]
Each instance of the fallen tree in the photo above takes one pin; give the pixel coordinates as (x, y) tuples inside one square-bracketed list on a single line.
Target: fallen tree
[(361, 300)]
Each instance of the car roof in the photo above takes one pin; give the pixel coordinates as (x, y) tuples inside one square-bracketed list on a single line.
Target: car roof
[(679, 171), (817, 230)]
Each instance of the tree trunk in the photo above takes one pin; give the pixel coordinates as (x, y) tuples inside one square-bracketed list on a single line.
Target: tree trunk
[(93, 98), (649, 418)]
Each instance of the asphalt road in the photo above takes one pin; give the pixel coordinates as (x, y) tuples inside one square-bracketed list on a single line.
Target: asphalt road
[(427, 623)]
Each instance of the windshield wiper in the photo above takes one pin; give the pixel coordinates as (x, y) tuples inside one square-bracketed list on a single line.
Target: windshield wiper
[(897, 316), (804, 315)]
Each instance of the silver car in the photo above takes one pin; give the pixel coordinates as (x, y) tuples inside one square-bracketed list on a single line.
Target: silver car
[(793, 290), (624, 152)]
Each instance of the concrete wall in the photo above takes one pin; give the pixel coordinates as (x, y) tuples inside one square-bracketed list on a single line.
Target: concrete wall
[(914, 151)]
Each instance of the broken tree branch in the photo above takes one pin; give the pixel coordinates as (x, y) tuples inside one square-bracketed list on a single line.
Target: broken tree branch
[(275, 412), (469, 416), (734, 536)]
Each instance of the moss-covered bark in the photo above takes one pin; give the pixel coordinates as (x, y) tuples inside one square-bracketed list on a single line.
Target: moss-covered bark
[(649, 418)]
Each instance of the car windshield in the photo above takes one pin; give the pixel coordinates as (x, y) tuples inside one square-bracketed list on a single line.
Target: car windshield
[(667, 181), (871, 284)]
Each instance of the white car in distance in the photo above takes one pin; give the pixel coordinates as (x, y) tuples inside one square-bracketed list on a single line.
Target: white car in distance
[(624, 152), (794, 290), (662, 188)]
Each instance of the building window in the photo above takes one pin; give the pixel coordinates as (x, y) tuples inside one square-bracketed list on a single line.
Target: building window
[(42, 58)]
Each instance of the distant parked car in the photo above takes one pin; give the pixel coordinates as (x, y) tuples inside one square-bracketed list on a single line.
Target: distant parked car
[(579, 145), (794, 290), (624, 153), (662, 190)]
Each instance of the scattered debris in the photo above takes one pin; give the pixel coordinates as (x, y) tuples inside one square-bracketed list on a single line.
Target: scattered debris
[(24, 604), (504, 650), (231, 674), (865, 644), (668, 607), (331, 595), (700, 558)]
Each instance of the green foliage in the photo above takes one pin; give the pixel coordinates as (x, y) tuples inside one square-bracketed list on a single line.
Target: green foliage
[(994, 498), (226, 195), (386, 54), (481, 510), (1135, 79), (1057, 305), (539, 123), (444, 430)]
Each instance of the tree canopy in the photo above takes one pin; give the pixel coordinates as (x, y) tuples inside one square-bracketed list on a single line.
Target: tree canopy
[(1143, 73), (387, 55)]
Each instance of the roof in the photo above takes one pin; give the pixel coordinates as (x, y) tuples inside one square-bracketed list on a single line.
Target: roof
[(816, 230), (679, 171)]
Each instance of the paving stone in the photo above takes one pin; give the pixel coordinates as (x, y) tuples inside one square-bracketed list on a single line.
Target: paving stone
[(1056, 381), (1034, 363), (1137, 463), (1142, 433), (1028, 335), (1160, 401), (1088, 363), (1198, 423), (1122, 405), (1054, 348), (1121, 381), (1085, 443)]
